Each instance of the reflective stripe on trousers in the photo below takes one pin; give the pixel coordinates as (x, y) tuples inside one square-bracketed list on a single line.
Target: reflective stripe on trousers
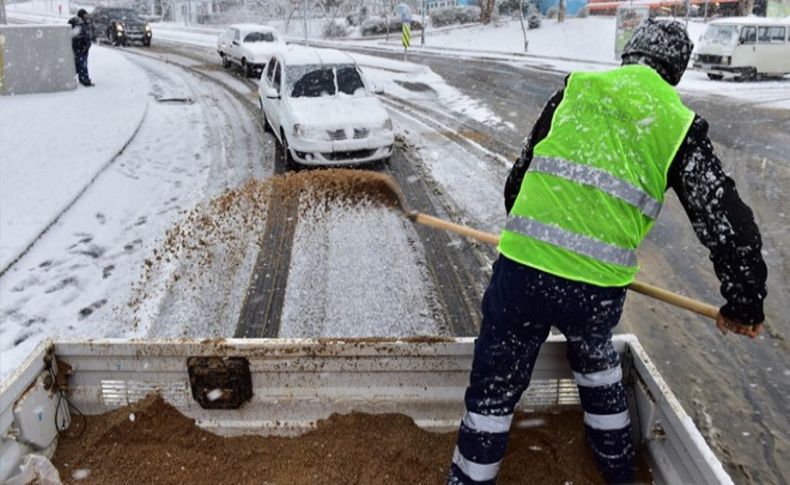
[(478, 472), (594, 383), (511, 335)]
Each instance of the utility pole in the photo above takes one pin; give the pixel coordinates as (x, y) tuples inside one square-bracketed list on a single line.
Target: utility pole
[(422, 34), (521, 18), (387, 17), (304, 15)]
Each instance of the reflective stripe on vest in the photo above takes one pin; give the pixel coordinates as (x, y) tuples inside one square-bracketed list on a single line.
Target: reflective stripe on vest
[(570, 240), (600, 179)]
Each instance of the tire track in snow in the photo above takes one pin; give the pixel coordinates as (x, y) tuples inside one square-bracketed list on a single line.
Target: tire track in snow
[(455, 272)]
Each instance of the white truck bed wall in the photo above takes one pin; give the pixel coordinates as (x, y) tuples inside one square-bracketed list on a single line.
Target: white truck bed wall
[(296, 382)]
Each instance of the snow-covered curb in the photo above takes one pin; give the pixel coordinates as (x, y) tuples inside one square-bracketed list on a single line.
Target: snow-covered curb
[(47, 164)]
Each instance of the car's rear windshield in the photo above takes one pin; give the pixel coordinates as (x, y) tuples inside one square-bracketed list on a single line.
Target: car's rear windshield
[(259, 37), (327, 80)]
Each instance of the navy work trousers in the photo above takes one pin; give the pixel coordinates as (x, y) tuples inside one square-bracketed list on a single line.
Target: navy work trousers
[(519, 308), (81, 64)]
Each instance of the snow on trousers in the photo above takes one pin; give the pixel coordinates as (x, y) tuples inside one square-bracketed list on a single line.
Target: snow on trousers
[(81, 65), (519, 308)]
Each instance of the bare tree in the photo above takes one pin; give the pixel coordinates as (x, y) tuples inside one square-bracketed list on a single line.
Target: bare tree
[(2, 13), (330, 8), (168, 9), (289, 10), (486, 10), (561, 13), (745, 7), (266, 8)]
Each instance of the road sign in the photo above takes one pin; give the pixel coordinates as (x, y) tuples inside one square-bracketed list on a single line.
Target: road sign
[(406, 36), (404, 11)]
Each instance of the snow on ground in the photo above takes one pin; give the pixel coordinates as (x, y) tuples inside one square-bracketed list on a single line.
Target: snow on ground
[(392, 76), (587, 39), (325, 304), (471, 181), (578, 44), (54, 144), (75, 281)]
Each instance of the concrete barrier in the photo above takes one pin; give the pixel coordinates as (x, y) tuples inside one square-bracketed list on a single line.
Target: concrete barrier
[(36, 59)]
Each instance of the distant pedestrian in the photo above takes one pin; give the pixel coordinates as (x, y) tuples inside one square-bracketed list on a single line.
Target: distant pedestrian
[(81, 44), (586, 190)]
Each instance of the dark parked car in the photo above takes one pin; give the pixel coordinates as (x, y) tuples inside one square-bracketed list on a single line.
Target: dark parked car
[(120, 26)]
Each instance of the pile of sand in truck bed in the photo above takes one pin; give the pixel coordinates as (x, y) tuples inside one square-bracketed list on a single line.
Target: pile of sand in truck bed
[(151, 442)]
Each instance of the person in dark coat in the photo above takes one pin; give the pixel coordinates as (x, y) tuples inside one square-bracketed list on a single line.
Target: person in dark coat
[(81, 44), (586, 189)]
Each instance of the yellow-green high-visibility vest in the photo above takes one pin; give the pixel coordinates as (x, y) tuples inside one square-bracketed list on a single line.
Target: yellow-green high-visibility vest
[(596, 183)]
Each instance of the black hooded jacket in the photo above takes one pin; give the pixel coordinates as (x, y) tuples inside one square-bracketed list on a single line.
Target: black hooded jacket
[(81, 38), (721, 220)]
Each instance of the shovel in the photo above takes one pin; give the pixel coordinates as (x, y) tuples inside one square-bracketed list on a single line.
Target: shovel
[(666, 296)]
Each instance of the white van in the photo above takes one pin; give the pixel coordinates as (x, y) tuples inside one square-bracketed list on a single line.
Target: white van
[(745, 47)]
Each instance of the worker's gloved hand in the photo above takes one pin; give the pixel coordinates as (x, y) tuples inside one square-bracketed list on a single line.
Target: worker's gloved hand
[(725, 324)]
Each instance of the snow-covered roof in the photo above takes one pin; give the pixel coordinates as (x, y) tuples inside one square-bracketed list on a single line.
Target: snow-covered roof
[(752, 21), (254, 27), (302, 56)]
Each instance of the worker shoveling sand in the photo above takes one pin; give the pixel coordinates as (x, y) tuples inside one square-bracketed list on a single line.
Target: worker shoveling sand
[(151, 442)]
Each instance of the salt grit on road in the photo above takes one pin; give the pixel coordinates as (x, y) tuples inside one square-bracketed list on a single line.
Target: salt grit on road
[(74, 282), (394, 299)]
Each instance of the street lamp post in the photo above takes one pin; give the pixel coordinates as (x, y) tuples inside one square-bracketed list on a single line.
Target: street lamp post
[(387, 17), (422, 34), (304, 8)]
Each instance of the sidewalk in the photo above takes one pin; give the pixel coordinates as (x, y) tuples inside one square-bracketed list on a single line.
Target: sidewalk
[(54, 144)]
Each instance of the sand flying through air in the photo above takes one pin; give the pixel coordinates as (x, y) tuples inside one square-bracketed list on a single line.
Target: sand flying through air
[(346, 225)]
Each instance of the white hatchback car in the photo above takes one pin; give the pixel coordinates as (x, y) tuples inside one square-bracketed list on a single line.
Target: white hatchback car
[(250, 46), (322, 110)]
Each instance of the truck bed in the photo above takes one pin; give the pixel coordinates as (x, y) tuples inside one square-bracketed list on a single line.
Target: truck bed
[(284, 386)]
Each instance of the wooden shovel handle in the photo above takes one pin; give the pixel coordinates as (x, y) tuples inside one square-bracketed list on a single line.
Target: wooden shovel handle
[(681, 301), (432, 221)]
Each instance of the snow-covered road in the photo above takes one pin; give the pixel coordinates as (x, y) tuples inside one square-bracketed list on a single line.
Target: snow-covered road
[(54, 145), (195, 141), (736, 389)]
